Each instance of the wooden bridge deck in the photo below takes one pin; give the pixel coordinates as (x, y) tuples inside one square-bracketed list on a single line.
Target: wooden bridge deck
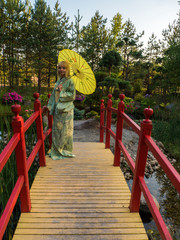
[(80, 198)]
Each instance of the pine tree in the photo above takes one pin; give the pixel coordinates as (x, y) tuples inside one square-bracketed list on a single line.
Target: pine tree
[(115, 33), (61, 29), (94, 37), (38, 40), (26, 44), (130, 48), (76, 33), (13, 10), (151, 55)]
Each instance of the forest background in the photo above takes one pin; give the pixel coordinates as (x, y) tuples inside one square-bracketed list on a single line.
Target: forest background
[(32, 36)]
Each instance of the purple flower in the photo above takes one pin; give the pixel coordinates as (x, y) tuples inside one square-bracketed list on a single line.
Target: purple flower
[(11, 97), (80, 97)]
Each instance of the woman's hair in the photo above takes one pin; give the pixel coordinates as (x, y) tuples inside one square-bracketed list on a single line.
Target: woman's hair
[(66, 65)]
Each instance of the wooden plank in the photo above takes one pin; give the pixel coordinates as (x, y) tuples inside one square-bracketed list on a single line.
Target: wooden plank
[(79, 225), (80, 220), (107, 197), (80, 210), (45, 231), (77, 205), (82, 237), (80, 191), (80, 215), (86, 194), (80, 198), (78, 201), (82, 186)]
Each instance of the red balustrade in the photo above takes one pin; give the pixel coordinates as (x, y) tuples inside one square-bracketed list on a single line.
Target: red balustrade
[(108, 122), (17, 143), (138, 167)]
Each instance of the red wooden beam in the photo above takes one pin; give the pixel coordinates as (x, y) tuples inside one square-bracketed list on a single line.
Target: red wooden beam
[(145, 143), (10, 205), (18, 127), (33, 153), (46, 134), (114, 110), (108, 122), (102, 121), (6, 153), (119, 131), (39, 129), (171, 172), (127, 156), (141, 158), (154, 211), (30, 120), (131, 123), (50, 123), (110, 131)]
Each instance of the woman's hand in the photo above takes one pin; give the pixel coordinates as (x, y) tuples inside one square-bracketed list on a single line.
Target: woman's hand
[(60, 87), (44, 109)]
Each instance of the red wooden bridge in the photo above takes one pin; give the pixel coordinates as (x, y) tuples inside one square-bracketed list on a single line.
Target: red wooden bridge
[(85, 197)]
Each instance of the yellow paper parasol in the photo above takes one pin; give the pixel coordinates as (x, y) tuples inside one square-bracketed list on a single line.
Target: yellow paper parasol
[(80, 71)]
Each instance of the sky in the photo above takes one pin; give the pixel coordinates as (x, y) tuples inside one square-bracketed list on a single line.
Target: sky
[(152, 16)]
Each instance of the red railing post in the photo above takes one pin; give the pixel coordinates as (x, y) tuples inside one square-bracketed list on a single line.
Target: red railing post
[(20, 151), (146, 127), (50, 123), (102, 121), (108, 121), (39, 129), (119, 130)]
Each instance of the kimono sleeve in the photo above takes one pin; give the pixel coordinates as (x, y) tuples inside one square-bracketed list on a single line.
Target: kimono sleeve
[(68, 94), (51, 102)]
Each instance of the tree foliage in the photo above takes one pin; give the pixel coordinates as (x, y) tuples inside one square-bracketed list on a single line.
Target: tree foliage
[(111, 58), (32, 36)]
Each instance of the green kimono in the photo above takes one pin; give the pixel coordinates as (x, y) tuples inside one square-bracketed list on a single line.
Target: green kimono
[(61, 107)]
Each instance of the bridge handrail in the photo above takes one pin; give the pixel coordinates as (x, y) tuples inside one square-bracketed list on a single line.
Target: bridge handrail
[(170, 171), (17, 143), (6, 153), (138, 168)]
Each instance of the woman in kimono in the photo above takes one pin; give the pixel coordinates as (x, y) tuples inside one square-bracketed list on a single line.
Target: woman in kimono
[(61, 107)]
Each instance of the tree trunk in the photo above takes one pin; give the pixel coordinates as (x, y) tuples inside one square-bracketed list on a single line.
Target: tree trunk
[(39, 81), (49, 74), (109, 71)]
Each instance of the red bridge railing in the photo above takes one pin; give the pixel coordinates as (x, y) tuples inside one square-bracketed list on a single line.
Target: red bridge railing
[(138, 168), (23, 164)]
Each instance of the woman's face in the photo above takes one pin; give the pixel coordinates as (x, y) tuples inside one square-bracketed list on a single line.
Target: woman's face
[(61, 70)]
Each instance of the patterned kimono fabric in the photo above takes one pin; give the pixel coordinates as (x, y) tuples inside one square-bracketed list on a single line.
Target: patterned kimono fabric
[(62, 108)]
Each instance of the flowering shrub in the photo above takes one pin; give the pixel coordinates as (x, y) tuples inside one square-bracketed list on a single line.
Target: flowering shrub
[(44, 97), (29, 112), (80, 97), (129, 105), (12, 97)]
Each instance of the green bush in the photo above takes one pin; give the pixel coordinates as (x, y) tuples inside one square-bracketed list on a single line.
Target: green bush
[(44, 97), (146, 102), (137, 88), (100, 76), (93, 100), (168, 133), (124, 85), (78, 114), (138, 97), (109, 82), (91, 114)]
